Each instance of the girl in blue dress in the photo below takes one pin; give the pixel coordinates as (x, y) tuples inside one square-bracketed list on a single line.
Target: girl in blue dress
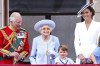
[(97, 53)]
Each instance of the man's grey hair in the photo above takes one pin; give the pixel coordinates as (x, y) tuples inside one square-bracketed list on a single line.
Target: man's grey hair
[(13, 16)]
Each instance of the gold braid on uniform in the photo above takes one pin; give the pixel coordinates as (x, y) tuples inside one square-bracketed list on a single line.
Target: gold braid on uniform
[(9, 38), (23, 54), (24, 37), (6, 52)]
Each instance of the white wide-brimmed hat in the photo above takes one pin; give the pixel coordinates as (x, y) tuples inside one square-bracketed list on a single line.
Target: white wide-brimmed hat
[(41, 23), (83, 8)]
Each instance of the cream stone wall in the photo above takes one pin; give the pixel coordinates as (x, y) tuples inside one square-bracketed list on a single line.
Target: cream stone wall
[(97, 10), (1, 22)]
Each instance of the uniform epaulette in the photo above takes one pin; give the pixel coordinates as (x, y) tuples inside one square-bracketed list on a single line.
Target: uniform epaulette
[(22, 29), (3, 27)]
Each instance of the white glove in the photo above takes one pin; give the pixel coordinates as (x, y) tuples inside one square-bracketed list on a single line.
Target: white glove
[(51, 52)]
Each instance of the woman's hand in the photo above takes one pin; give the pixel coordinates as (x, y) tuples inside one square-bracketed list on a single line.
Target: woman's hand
[(81, 57)]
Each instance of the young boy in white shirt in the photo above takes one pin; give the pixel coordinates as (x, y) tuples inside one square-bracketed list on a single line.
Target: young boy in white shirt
[(62, 57)]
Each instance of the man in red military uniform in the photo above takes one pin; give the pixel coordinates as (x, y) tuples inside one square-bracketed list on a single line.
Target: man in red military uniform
[(14, 46)]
